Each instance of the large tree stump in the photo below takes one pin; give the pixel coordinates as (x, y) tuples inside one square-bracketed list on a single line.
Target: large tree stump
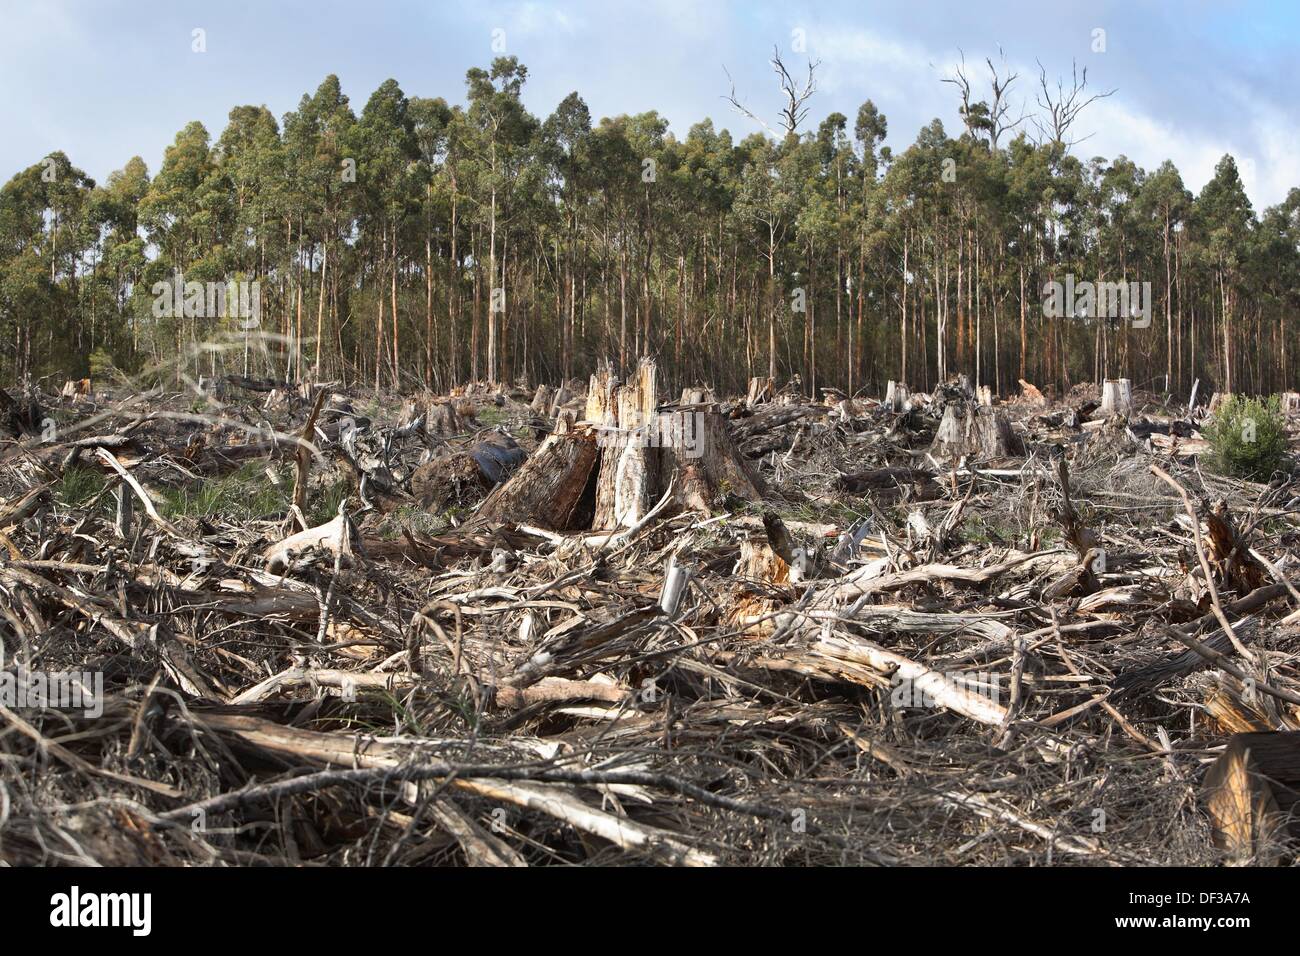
[(1116, 398), (606, 472), (760, 390), (968, 429), (1252, 793), (897, 397), (625, 485), (701, 457)]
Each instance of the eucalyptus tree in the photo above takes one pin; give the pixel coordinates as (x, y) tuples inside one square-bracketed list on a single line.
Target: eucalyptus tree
[(505, 129), (1226, 218)]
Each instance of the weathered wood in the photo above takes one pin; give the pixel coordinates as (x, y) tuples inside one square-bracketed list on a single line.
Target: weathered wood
[(543, 400), (463, 477), (626, 483), (897, 397), (967, 429), (1252, 794), (760, 390), (701, 455), (549, 488), (1031, 393), (333, 538), (1117, 398)]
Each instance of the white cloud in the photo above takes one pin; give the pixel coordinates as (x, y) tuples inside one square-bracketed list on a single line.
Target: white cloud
[(905, 80)]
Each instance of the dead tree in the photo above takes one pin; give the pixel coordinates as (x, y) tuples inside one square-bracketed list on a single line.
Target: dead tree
[(795, 110), (1062, 107), (982, 117)]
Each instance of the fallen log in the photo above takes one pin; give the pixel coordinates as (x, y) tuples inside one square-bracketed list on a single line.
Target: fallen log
[(551, 487)]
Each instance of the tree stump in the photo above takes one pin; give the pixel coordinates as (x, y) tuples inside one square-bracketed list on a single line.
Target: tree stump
[(1116, 398), (606, 472), (968, 429), (463, 477), (550, 487), (626, 482), (897, 397), (1031, 393), (1252, 793), (543, 400), (761, 388)]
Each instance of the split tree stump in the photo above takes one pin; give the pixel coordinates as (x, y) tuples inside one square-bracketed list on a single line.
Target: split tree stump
[(897, 397), (606, 472), (550, 487)]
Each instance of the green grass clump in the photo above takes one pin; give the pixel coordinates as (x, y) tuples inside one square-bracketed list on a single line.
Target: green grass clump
[(242, 495), (79, 486), (1248, 438), (323, 504)]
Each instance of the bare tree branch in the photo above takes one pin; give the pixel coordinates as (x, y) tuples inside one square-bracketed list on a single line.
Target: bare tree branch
[(795, 110), (1063, 108)]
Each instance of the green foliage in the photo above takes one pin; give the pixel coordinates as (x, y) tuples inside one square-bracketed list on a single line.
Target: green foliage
[(814, 250), (242, 495), (1248, 437), (79, 486), (101, 364), (323, 504)]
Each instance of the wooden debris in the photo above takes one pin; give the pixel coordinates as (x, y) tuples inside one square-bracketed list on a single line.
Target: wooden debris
[(1252, 793)]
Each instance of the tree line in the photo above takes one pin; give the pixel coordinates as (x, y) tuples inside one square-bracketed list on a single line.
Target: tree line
[(425, 243)]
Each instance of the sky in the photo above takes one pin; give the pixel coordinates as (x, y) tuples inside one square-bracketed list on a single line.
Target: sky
[(105, 80)]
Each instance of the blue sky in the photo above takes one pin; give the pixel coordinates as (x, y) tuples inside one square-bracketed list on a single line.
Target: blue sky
[(107, 80)]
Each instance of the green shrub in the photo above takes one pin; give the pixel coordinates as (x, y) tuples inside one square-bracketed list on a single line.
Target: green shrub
[(102, 366), (1248, 437)]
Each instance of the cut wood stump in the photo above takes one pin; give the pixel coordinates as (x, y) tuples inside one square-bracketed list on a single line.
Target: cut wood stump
[(1117, 398), (552, 487), (1252, 793), (696, 395), (897, 397), (761, 388), (1031, 393), (607, 472), (968, 429), (543, 400), (463, 477)]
